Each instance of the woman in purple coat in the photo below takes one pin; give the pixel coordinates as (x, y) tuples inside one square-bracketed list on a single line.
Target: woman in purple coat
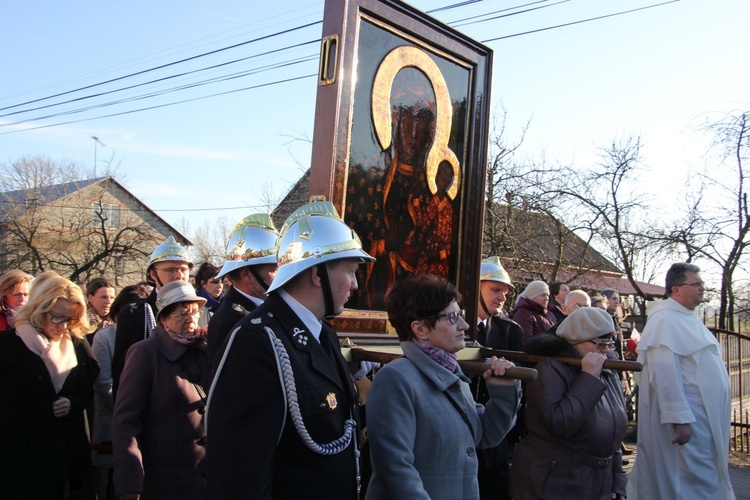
[(158, 438), (531, 310)]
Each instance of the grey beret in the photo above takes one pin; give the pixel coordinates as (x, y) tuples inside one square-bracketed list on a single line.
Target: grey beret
[(585, 324)]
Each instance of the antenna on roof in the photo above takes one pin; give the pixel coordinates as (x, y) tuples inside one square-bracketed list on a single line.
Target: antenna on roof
[(96, 141)]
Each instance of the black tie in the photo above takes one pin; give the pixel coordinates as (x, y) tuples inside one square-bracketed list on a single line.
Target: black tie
[(326, 342), (481, 333)]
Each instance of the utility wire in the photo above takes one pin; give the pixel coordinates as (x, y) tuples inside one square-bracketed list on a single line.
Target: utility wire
[(271, 83), (158, 93), (192, 58), (579, 22), (158, 80), (460, 22)]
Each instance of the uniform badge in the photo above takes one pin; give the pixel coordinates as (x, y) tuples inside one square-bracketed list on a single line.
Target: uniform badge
[(301, 339), (255, 321), (331, 400)]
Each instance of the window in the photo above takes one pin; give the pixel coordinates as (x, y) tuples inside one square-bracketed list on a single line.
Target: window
[(107, 212)]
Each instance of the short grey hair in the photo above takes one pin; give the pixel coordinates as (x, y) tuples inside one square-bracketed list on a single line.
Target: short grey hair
[(676, 275)]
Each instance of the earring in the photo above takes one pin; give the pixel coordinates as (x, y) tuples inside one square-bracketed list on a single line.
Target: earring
[(424, 338)]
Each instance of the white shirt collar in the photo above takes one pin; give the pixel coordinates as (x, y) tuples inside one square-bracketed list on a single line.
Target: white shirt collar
[(312, 323), (255, 300)]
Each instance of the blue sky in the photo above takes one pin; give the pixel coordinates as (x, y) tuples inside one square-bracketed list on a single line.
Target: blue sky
[(658, 72)]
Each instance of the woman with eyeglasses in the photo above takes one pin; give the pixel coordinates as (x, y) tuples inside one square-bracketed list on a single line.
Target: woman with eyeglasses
[(47, 372), (14, 292), (158, 438), (575, 417), (423, 424)]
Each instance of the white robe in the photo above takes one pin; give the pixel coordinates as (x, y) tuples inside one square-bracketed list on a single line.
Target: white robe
[(685, 381)]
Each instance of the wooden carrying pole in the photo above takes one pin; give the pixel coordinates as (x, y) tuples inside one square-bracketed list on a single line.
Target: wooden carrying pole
[(469, 367), (522, 357)]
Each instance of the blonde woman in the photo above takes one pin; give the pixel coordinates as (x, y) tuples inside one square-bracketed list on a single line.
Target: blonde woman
[(14, 292), (47, 372)]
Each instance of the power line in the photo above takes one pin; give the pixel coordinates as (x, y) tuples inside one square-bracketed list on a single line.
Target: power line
[(579, 22), (192, 58), (246, 73)]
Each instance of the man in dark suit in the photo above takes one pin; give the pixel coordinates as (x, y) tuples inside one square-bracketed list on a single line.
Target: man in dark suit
[(251, 267), (169, 262), (496, 330), (282, 413)]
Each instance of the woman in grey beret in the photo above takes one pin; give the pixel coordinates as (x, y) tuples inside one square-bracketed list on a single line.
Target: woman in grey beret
[(575, 417)]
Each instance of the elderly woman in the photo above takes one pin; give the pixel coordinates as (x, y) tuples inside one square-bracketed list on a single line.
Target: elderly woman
[(157, 428), (575, 417), (423, 424), (14, 292), (531, 310), (47, 372)]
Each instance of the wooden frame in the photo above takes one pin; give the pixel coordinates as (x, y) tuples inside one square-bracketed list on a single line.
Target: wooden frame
[(400, 146)]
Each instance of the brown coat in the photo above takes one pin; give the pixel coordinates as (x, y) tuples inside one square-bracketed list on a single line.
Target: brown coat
[(157, 426), (575, 425)]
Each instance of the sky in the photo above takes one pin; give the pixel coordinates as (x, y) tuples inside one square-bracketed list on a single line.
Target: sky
[(658, 73)]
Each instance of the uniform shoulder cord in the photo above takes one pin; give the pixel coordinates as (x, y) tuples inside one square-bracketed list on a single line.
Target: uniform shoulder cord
[(289, 388)]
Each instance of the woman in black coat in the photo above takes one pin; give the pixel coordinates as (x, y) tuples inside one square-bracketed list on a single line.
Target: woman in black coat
[(47, 372)]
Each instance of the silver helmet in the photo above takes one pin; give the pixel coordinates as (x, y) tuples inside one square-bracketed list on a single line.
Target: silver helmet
[(252, 242), (492, 270), (170, 250), (312, 235)]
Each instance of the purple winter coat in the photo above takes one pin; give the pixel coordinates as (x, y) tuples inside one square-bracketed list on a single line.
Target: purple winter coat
[(575, 424), (157, 425), (533, 318)]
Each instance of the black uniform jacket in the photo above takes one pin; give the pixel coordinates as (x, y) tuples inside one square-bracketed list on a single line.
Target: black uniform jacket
[(232, 309), (249, 454), (131, 328)]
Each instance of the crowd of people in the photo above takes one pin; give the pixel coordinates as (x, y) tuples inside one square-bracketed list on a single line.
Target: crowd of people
[(229, 382)]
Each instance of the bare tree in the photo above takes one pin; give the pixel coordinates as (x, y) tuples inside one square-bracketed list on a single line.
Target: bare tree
[(609, 199), (51, 218), (210, 242), (526, 216), (716, 224)]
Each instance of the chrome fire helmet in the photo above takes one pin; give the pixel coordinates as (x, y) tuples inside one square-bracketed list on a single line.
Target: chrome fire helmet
[(312, 235), (170, 250), (492, 270), (252, 242)]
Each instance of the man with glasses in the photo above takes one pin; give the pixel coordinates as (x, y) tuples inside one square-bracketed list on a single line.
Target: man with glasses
[(684, 399), (169, 262)]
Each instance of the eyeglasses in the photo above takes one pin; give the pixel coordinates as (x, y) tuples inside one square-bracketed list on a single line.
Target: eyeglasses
[(186, 313), (452, 316), (174, 270), (601, 343), (697, 284), (59, 320), (20, 294)]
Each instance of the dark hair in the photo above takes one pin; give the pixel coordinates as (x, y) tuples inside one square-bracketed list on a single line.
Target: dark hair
[(205, 272), (130, 293), (554, 288), (97, 283), (418, 297), (676, 275), (609, 293)]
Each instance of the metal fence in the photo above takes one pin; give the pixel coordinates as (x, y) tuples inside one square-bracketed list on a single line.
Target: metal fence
[(737, 358)]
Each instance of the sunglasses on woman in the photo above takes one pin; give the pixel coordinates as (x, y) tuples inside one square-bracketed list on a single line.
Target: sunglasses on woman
[(59, 320)]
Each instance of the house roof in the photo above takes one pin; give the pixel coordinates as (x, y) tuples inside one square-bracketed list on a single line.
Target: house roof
[(52, 193)]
